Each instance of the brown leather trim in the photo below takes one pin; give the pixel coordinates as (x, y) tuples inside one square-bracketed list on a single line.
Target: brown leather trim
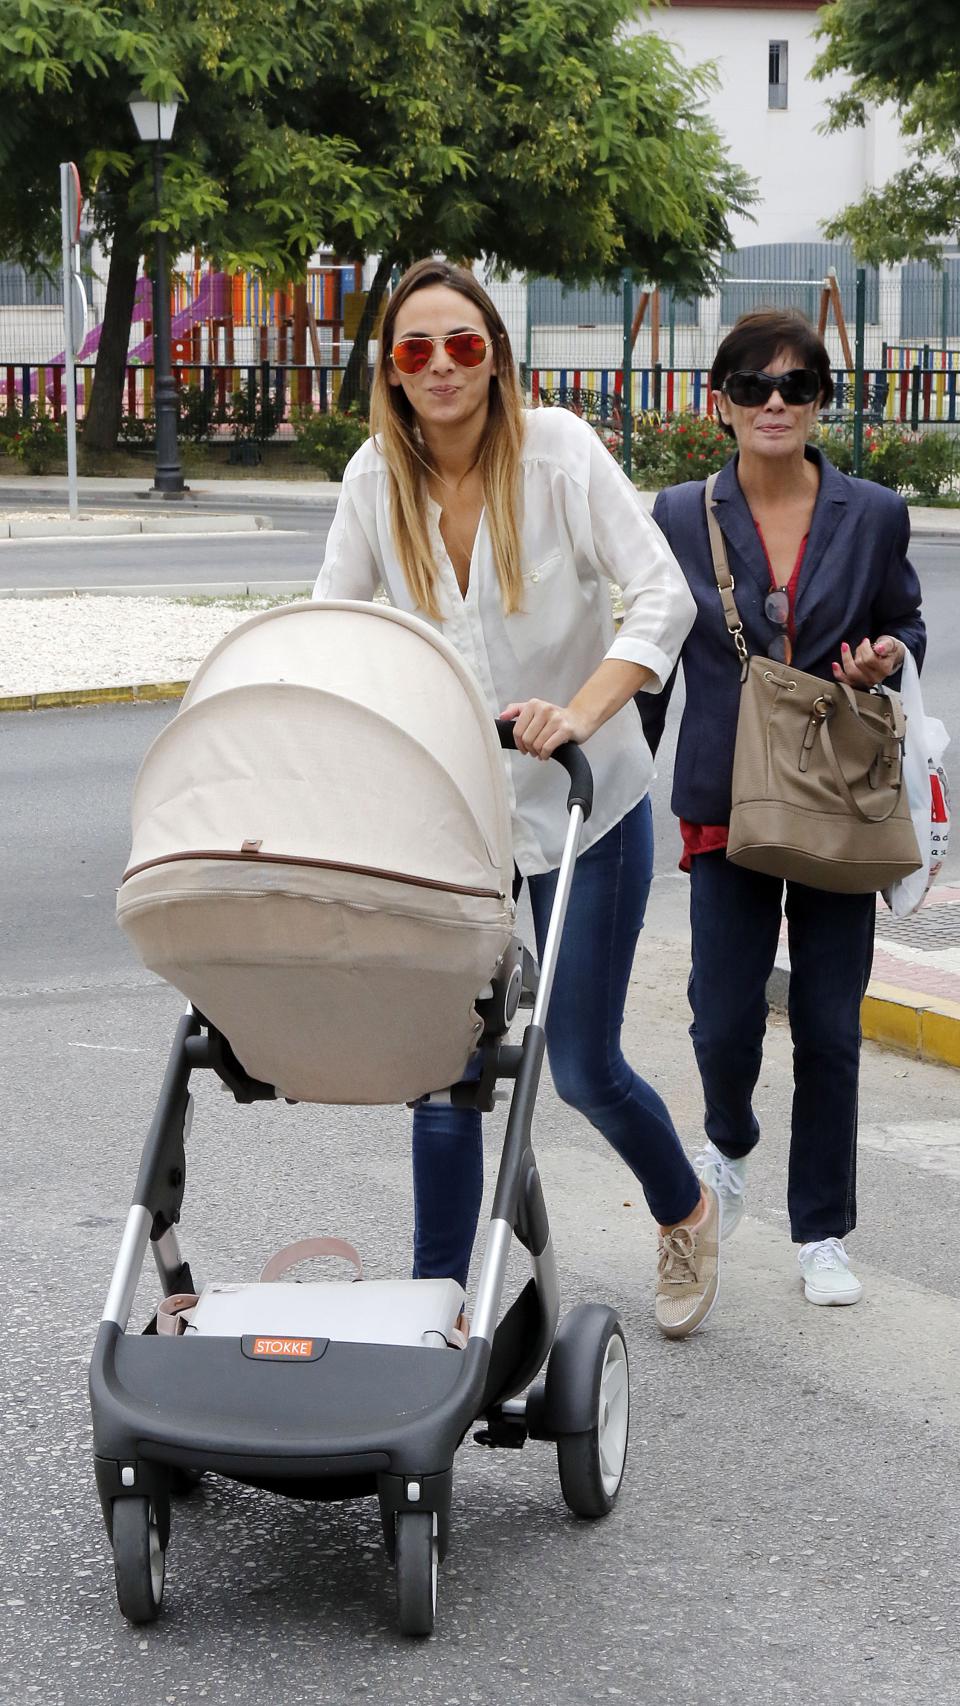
[(315, 864)]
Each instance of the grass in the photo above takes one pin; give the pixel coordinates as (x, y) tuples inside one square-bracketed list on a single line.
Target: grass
[(241, 600), (198, 462)]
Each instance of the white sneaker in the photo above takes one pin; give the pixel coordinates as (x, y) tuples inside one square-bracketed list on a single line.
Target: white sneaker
[(825, 1267), (727, 1178)]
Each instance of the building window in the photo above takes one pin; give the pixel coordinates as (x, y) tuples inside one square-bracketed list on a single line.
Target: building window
[(778, 75)]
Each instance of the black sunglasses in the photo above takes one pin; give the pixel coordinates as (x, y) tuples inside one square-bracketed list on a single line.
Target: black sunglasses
[(752, 390), (776, 608)]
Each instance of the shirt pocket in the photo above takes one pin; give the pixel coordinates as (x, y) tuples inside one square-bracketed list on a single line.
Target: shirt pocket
[(545, 618)]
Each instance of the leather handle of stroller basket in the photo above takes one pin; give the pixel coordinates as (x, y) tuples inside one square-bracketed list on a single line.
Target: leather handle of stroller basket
[(574, 763)]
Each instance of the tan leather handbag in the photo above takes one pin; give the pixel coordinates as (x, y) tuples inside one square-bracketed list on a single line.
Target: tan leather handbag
[(818, 794)]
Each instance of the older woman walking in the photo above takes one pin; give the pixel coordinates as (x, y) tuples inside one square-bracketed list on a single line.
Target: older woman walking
[(823, 581)]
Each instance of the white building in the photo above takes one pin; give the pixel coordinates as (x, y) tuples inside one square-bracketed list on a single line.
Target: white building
[(770, 111)]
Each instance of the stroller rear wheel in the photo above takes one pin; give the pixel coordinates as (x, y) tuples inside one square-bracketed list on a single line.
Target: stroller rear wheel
[(417, 1569), (591, 1463), (138, 1559)]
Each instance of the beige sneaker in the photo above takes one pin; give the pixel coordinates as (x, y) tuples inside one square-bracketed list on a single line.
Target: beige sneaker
[(688, 1273)]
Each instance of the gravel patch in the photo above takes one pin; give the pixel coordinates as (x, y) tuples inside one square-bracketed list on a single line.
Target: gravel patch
[(49, 645)]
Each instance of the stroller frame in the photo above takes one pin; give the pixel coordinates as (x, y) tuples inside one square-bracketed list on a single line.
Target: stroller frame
[(356, 1419)]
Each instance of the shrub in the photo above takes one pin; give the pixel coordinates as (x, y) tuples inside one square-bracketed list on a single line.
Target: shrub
[(936, 464), (199, 413), (675, 448), (136, 429), (330, 439), (920, 465), (39, 443), (254, 414)]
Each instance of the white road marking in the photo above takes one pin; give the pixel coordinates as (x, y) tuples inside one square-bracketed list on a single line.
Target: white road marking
[(109, 1048)]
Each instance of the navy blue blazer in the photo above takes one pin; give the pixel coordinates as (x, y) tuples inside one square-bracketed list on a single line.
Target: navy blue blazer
[(855, 581)]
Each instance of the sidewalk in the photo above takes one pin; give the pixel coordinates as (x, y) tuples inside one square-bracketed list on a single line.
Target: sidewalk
[(36, 508), (913, 1002), (205, 495)]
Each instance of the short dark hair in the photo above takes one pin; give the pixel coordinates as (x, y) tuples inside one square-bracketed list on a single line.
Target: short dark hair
[(760, 337)]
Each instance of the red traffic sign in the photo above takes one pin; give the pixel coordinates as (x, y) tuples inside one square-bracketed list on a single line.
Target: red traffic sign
[(74, 201)]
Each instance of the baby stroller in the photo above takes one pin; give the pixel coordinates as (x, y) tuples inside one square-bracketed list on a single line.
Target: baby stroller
[(322, 864)]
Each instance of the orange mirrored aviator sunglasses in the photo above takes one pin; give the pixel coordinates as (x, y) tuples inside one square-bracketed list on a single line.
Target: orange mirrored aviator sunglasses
[(467, 349)]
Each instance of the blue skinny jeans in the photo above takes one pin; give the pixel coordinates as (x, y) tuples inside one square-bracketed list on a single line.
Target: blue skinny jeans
[(604, 919)]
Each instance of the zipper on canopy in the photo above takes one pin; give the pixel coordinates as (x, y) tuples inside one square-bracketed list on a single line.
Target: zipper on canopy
[(252, 857)]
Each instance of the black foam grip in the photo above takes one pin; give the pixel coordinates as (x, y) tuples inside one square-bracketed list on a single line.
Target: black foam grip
[(574, 763)]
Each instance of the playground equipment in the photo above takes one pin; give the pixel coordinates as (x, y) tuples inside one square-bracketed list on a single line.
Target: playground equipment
[(227, 321)]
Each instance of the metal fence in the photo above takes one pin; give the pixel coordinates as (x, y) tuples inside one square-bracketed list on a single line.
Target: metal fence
[(612, 352), (40, 389)]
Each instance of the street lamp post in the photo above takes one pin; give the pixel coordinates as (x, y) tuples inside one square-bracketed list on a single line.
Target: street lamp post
[(155, 121)]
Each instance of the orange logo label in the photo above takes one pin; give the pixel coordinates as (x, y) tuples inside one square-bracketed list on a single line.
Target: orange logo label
[(282, 1348)]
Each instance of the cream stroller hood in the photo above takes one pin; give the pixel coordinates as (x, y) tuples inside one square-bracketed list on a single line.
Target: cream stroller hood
[(322, 858)]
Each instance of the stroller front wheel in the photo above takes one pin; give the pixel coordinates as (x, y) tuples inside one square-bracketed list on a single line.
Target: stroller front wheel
[(591, 1463), (138, 1559), (417, 1566)]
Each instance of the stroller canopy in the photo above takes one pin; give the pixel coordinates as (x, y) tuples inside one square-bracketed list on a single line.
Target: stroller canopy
[(322, 857)]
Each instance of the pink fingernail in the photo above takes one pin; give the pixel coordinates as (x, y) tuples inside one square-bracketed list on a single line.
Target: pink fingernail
[(844, 647)]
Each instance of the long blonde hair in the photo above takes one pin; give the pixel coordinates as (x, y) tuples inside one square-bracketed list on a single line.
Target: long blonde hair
[(394, 426)]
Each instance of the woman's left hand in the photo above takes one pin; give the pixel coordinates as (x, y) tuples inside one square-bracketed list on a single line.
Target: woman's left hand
[(871, 663), (539, 727)]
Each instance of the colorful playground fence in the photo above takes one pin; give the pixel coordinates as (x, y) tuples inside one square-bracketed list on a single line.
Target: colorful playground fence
[(916, 388)]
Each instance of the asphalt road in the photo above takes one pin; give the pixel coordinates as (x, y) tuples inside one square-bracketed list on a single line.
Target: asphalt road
[(787, 1529), (293, 552)]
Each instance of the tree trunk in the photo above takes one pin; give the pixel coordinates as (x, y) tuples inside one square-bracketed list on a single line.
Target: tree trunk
[(355, 386), (102, 422)]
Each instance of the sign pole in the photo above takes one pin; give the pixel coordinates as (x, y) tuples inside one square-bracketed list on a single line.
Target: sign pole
[(69, 221)]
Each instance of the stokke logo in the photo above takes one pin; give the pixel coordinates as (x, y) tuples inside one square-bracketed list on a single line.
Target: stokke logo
[(282, 1348)]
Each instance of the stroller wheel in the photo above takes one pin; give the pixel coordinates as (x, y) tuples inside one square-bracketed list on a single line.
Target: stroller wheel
[(417, 1569), (591, 1463), (138, 1559)]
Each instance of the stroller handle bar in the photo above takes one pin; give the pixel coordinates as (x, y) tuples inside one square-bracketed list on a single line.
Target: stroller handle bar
[(574, 763)]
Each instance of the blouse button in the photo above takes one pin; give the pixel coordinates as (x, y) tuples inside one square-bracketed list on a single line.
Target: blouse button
[(534, 576)]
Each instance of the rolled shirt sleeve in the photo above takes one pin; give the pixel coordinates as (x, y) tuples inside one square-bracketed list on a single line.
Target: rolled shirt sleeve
[(658, 607)]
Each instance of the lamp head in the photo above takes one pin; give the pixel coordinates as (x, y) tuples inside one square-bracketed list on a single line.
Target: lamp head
[(154, 119)]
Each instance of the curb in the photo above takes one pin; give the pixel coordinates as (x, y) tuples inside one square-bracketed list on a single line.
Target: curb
[(896, 1018), (142, 691), (186, 589), (102, 527)]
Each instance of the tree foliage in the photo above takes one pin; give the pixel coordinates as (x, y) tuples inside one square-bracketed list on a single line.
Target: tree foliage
[(536, 132), (895, 50)]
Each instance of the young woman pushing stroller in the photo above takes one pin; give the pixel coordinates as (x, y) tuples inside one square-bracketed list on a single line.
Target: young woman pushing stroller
[(505, 529)]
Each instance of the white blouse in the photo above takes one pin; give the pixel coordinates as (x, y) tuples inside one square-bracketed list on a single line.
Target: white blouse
[(583, 527)]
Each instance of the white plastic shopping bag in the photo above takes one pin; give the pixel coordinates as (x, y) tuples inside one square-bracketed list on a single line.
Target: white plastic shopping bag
[(926, 784)]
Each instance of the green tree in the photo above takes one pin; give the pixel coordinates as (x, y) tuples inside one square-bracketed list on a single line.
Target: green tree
[(241, 181), (532, 131), (895, 50), (584, 150)]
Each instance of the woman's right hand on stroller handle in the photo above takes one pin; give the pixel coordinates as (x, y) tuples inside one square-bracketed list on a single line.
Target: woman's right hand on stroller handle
[(574, 762)]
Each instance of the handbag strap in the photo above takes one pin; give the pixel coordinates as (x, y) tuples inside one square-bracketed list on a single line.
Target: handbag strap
[(721, 569), (897, 731)]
